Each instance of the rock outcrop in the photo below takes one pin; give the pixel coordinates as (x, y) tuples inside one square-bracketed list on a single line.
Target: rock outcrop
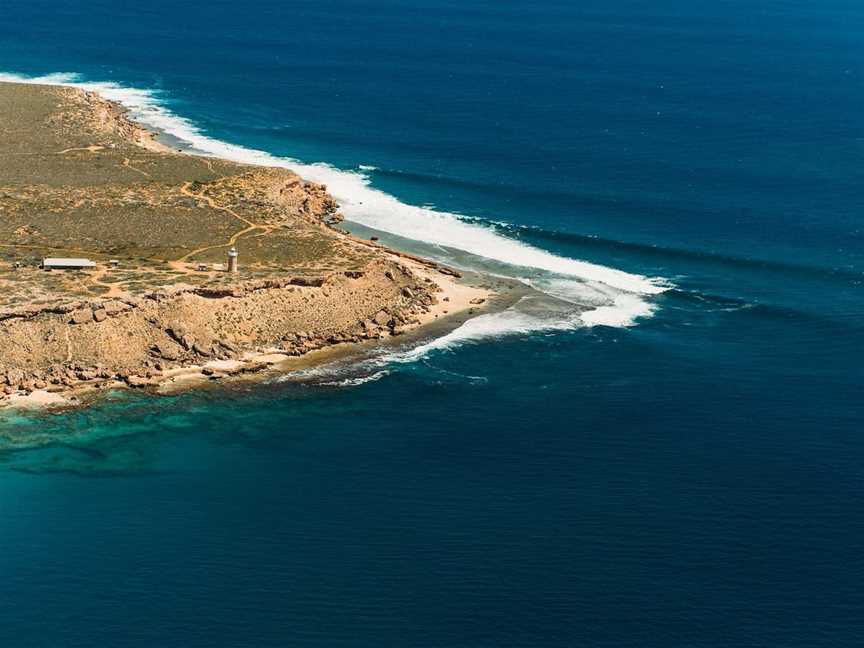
[(186, 325)]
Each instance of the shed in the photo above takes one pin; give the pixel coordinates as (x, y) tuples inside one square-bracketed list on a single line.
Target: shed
[(67, 264)]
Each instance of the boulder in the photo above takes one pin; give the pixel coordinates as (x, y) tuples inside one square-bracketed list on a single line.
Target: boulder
[(382, 318), (14, 377), (82, 316), (200, 350), (86, 374), (227, 345), (165, 351), (137, 381)]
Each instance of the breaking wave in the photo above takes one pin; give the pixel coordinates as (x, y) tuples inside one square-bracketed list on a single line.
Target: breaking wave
[(612, 297), (385, 362), (526, 317), (358, 200)]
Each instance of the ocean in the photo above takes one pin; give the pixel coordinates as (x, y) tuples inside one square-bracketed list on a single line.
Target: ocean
[(664, 450)]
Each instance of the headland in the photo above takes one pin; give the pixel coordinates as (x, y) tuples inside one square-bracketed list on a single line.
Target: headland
[(159, 306)]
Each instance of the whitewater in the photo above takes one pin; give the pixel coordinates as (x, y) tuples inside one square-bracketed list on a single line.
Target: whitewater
[(614, 297)]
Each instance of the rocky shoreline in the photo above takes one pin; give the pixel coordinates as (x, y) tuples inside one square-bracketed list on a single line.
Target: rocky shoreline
[(176, 333), (229, 326)]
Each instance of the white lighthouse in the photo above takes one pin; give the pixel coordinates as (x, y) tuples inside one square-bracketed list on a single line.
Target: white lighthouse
[(232, 260)]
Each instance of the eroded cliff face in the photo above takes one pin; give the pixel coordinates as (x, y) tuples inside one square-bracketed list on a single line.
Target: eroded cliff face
[(137, 339), (78, 178)]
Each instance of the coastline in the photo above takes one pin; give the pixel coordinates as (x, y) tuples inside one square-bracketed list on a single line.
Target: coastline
[(438, 298), (255, 366)]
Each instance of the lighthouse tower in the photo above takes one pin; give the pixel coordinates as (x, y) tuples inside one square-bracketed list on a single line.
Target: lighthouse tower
[(232, 260)]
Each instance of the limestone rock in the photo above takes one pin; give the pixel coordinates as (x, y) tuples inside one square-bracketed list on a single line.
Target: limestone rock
[(82, 316), (137, 381), (14, 377), (382, 318)]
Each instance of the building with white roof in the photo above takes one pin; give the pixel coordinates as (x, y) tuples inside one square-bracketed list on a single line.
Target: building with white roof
[(56, 263)]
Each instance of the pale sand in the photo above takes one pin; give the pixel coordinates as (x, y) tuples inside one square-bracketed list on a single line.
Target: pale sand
[(38, 399), (224, 365), (458, 295)]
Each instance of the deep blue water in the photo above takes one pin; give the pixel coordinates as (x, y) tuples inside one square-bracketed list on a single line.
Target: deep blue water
[(693, 480)]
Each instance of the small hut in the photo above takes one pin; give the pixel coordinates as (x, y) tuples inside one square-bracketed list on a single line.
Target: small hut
[(55, 263)]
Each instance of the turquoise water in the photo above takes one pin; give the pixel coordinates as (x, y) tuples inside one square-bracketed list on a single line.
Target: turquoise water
[(684, 472)]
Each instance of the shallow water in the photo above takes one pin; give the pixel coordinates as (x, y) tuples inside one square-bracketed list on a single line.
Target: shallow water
[(687, 471)]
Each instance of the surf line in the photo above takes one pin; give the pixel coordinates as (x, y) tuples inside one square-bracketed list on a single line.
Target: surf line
[(364, 204)]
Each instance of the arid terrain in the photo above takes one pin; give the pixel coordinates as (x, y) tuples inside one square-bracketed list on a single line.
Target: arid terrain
[(78, 179)]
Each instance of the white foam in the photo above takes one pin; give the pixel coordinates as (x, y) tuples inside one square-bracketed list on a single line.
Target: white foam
[(610, 307), (385, 360), (614, 298), (520, 321), (529, 317), (526, 317), (358, 380), (357, 199), (489, 326), (623, 313)]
